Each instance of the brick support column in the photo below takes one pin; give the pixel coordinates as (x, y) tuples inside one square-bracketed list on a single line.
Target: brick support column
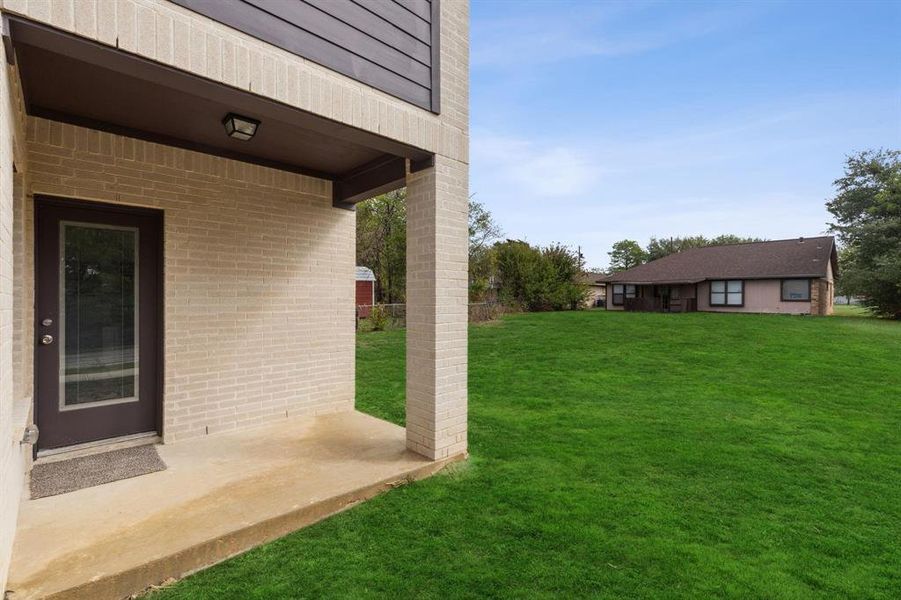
[(815, 298), (437, 298)]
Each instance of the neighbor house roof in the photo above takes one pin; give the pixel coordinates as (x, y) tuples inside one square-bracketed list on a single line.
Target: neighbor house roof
[(365, 274), (797, 257), (591, 278)]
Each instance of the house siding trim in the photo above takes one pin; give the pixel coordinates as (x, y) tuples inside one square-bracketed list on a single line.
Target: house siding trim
[(177, 37), (391, 50)]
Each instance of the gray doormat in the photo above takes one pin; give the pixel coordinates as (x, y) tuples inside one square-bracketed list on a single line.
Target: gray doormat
[(50, 479)]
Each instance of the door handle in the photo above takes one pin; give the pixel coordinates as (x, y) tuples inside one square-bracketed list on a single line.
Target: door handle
[(46, 339)]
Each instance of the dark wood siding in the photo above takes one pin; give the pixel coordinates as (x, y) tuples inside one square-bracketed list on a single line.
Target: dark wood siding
[(391, 45)]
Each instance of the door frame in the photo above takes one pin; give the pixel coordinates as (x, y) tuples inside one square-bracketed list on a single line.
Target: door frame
[(54, 201)]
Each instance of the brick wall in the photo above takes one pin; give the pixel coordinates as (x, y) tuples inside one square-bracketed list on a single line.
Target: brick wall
[(14, 404), (259, 266), (259, 274), (8, 463), (437, 304), (821, 297), (437, 265)]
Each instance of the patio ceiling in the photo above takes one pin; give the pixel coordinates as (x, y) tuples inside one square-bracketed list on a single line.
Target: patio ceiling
[(71, 79)]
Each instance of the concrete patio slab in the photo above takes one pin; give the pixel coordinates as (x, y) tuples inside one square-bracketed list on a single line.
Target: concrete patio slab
[(219, 496)]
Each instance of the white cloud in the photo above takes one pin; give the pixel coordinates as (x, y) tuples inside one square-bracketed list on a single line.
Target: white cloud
[(534, 169)]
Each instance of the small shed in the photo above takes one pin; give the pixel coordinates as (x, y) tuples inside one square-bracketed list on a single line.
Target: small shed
[(365, 291)]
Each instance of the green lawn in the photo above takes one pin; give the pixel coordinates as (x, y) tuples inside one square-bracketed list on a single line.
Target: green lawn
[(852, 310), (627, 455)]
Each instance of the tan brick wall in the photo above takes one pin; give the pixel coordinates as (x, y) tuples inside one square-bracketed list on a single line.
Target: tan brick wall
[(259, 274), (437, 300), (437, 267), (13, 406), (259, 266), (23, 297), (172, 35), (8, 463)]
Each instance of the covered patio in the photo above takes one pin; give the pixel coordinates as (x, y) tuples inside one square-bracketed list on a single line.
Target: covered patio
[(219, 496), (676, 296), (227, 178)]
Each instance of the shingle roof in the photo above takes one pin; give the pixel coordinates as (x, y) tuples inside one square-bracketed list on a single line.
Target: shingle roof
[(365, 274), (591, 277), (797, 257)]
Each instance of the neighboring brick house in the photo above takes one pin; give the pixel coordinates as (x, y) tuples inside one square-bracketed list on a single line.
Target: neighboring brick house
[(794, 276), (365, 293), (197, 163)]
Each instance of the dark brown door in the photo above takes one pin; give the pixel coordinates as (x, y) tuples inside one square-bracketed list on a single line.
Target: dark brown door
[(98, 321)]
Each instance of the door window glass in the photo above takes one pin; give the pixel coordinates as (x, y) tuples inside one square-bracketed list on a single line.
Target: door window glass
[(98, 320)]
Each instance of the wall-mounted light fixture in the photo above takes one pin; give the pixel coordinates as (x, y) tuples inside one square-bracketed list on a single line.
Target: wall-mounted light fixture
[(240, 128)]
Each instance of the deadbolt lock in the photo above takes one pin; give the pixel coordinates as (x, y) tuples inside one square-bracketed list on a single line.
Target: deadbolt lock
[(46, 339)]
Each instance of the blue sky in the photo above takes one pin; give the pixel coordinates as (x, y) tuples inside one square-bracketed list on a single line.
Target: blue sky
[(598, 121)]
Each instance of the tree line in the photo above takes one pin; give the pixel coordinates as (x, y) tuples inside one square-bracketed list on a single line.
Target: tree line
[(867, 221), (627, 254), (513, 272)]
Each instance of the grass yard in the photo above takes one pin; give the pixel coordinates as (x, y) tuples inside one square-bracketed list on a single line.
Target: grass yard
[(627, 455), (852, 310)]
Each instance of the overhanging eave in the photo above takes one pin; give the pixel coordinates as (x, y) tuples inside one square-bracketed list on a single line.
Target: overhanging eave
[(72, 79)]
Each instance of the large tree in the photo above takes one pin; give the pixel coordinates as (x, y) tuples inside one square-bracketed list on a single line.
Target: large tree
[(382, 243), (536, 278), (867, 211), (382, 239), (660, 247), (483, 232), (625, 255)]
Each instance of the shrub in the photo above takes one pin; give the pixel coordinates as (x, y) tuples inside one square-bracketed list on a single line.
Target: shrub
[(539, 278), (485, 311), (378, 318)]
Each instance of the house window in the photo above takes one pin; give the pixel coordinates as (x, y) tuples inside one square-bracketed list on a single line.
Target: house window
[(796, 290), (674, 293), (621, 291), (727, 293)]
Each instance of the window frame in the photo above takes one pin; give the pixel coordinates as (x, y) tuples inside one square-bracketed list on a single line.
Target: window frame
[(726, 292), (623, 294), (782, 289)]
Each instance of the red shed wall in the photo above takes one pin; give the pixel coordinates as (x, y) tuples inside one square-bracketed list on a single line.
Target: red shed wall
[(364, 297)]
